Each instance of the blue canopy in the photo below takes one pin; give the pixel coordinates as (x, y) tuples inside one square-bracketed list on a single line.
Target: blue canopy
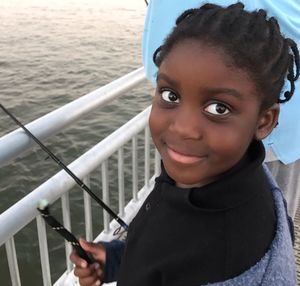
[(160, 19)]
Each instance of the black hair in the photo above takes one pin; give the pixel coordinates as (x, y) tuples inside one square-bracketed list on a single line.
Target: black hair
[(252, 41)]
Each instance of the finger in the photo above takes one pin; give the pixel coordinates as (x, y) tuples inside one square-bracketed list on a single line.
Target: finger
[(79, 262), (99, 270), (84, 272), (90, 280), (94, 269), (98, 283)]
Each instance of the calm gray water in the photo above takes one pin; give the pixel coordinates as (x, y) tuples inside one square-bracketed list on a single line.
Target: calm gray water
[(52, 52)]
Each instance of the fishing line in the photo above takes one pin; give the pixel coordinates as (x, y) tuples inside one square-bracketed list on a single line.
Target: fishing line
[(82, 185), (43, 208)]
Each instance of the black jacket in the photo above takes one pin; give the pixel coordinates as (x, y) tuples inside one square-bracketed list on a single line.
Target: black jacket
[(201, 235)]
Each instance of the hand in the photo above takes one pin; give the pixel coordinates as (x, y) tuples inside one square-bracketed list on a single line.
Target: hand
[(90, 274)]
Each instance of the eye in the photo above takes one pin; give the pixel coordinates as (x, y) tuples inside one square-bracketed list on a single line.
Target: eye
[(217, 109), (169, 96)]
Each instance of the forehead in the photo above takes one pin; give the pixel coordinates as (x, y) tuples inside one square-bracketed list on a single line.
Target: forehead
[(192, 63)]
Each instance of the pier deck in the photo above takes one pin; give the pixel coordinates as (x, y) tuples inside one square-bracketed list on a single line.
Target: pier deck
[(297, 241)]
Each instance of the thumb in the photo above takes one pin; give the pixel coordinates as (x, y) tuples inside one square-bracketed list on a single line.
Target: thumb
[(87, 246), (96, 249)]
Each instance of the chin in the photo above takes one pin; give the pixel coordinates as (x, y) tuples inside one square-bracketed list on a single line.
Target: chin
[(186, 180)]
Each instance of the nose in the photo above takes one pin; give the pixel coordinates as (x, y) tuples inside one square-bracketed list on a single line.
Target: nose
[(187, 123)]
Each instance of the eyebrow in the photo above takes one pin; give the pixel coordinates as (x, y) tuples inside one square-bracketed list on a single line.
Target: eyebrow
[(229, 91), (209, 91), (163, 76)]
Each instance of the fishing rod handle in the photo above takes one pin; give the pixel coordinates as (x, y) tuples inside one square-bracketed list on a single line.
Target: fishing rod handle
[(82, 253), (67, 235)]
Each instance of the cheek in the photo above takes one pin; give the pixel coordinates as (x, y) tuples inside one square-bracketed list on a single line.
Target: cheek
[(231, 143), (232, 149), (157, 122), (154, 124)]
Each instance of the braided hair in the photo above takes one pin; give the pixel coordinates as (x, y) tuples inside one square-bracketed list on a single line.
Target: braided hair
[(252, 41)]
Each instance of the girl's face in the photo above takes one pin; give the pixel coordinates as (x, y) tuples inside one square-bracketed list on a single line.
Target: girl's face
[(205, 114)]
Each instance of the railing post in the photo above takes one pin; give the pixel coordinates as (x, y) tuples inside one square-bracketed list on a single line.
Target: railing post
[(105, 195), (134, 168), (12, 262), (65, 204), (88, 212), (41, 227), (121, 181)]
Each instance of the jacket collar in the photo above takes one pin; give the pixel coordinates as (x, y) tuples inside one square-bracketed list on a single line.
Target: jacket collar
[(233, 188)]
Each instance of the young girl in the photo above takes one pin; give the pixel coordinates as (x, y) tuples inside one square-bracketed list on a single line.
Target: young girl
[(215, 215)]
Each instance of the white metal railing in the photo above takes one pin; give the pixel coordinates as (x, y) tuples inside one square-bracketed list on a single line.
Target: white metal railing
[(17, 142), (24, 211)]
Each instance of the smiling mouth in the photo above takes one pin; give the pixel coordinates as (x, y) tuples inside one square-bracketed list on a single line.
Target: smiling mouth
[(182, 158)]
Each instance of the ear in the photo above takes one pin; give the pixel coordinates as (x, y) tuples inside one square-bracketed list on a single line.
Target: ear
[(268, 119)]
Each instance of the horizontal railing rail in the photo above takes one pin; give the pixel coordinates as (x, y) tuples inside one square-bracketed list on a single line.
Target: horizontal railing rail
[(55, 187), (15, 143)]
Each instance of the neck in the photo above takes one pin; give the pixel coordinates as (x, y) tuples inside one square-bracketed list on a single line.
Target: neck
[(184, 186)]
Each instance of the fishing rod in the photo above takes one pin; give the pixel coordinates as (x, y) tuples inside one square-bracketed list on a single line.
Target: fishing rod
[(43, 208), (81, 184)]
